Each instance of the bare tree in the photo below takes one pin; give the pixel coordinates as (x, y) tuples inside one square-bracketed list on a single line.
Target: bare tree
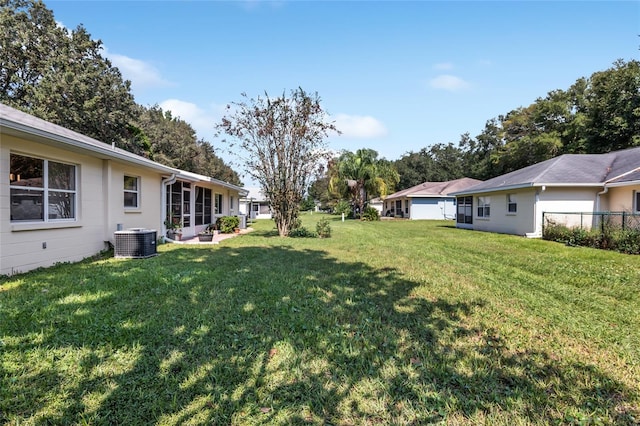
[(281, 143)]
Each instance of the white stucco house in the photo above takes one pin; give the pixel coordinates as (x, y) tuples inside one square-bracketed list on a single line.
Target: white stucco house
[(255, 205), (428, 200), (63, 194), (514, 203)]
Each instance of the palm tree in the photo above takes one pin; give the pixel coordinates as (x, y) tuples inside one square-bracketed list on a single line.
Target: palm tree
[(361, 174)]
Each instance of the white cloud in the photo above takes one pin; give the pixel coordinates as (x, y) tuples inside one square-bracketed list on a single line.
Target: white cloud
[(449, 82), (202, 120), (141, 74), (359, 127), (443, 66)]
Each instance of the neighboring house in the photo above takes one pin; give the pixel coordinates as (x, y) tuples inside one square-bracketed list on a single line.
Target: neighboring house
[(514, 203), (429, 200), (255, 204), (63, 194)]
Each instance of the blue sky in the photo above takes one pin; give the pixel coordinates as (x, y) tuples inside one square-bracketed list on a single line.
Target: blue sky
[(396, 76)]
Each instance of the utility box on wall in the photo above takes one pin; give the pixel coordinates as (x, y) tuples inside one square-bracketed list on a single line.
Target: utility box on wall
[(135, 243)]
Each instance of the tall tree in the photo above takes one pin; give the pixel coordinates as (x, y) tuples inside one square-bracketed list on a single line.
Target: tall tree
[(362, 175), (281, 142), (319, 188), (613, 102), (448, 162), (173, 142), (415, 168), (61, 76)]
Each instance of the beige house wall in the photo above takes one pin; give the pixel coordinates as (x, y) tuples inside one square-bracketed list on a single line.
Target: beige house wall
[(619, 199), (148, 215), (25, 246)]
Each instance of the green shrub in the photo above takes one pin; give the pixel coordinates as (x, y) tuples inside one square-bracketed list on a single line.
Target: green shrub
[(627, 241), (302, 232), (555, 232), (342, 207), (607, 237), (226, 224), (323, 229), (370, 214)]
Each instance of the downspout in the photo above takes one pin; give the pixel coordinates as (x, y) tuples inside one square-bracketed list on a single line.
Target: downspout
[(598, 218), (163, 216), (604, 191)]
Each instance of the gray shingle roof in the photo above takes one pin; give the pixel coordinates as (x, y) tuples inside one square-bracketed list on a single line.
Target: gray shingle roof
[(566, 170), (435, 189)]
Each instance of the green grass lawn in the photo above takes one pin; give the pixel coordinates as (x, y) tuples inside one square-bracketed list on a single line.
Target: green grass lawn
[(391, 322)]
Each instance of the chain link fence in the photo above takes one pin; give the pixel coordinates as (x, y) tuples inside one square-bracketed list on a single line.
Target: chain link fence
[(606, 230)]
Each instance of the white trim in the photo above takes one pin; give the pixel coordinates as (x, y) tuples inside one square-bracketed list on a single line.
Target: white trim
[(526, 186)]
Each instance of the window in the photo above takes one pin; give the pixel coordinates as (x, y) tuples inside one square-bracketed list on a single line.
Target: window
[(218, 206), (203, 206), (131, 192), (231, 204), (41, 190), (484, 206), (512, 204), (636, 204), (465, 210)]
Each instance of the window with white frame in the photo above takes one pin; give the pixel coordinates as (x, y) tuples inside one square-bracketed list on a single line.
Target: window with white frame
[(218, 204), (512, 203), (41, 190), (636, 204), (484, 206), (131, 192)]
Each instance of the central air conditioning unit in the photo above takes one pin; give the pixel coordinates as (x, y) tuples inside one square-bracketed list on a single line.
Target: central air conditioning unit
[(136, 243)]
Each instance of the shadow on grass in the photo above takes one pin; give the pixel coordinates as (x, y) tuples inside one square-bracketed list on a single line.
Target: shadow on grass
[(270, 336)]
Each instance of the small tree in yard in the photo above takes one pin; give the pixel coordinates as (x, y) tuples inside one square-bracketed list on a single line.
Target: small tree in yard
[(281, 142)]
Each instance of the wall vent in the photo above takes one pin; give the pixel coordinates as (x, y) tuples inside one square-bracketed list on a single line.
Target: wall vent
[(135, 243)]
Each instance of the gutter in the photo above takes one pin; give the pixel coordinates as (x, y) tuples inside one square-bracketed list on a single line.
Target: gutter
[(79, 143), (523, 186)]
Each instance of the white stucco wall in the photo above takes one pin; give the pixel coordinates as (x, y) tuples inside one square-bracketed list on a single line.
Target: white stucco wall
[(521, 222), (568, 200)]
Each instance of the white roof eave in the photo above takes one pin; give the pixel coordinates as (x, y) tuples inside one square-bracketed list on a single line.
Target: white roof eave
[(527, 185), (103, 152)]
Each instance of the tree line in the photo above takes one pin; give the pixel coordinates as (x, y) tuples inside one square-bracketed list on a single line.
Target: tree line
[(61, 76), (595, 115), (598, 114)]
